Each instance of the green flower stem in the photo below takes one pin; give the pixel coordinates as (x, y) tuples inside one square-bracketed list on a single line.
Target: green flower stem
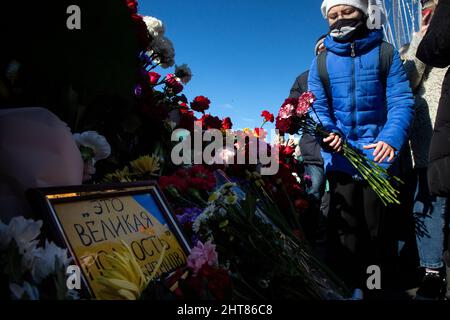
[(376, 176)]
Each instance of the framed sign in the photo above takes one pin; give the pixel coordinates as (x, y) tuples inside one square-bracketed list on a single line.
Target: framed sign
[(92, 221)]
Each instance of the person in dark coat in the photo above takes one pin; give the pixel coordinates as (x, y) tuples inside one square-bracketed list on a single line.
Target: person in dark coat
[(434, 50), (313, 163), (309, 146)]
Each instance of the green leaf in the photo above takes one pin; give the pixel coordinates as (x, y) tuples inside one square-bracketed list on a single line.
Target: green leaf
[(223, 224), (87, 153), (249, 206)]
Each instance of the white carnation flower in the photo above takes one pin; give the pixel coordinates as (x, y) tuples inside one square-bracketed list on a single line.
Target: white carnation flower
[(44, 262), (94, 141), (165, 52), (225, 156), (24, 232), (196, 225), (155, 27), (184, 73)]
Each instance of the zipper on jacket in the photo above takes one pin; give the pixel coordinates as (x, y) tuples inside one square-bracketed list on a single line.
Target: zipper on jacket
[(353, 91)]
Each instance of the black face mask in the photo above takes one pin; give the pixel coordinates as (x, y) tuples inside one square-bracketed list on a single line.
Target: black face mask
[(345, 30)]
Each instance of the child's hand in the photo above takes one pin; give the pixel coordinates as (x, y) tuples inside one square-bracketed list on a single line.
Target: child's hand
[(382, 151), (334, 141)]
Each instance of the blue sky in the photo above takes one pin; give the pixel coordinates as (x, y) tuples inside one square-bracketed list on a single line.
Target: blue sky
[(244, 54)]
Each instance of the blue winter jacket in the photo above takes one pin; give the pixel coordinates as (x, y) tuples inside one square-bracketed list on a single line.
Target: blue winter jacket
[(362, 111)]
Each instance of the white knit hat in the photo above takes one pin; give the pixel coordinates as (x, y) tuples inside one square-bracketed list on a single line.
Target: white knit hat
[(373, 9), (359, 4)]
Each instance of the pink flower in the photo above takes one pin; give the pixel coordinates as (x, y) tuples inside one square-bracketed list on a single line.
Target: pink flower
[(174, 83), (302, 109), (308, 96), (304, 103), (202, 254), (288, 108), (154, 78), (307, 178)]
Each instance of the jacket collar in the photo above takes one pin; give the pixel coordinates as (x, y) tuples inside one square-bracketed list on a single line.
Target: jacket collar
[(374, 38)]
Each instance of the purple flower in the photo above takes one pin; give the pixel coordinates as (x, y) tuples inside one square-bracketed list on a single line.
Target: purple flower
[(146, 57), (138, 90), (194, 239), (189, 215)]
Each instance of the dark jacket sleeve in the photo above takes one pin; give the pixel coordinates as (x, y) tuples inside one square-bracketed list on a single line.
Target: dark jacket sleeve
[(434, 50), (300, 85)]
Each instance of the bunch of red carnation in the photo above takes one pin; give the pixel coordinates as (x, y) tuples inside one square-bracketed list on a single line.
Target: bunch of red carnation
[(197, 178), (210, 281), (293, 111), (200, 104)]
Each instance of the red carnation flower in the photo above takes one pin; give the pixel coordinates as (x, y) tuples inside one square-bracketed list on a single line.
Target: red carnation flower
[(183, 106), (284, 125), (153, 78), (211, 122), (286, 151), (210, 281), (187, 120), (301, 204), (308, 97), (219, 281), (200, 104), (173, 182), (268, 117), (132, 5), (304, 103), (142, 34), (288, 108), (174, 83), (201, 178), (227, 124)]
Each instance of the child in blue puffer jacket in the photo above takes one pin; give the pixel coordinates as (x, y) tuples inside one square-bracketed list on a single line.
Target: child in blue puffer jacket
[(372, 109)]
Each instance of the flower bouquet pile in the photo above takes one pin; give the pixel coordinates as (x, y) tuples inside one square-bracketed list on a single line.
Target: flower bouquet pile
[(245, 230), (263, 258)]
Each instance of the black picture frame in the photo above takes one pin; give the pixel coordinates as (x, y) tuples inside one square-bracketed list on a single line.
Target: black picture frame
[(42, 200)]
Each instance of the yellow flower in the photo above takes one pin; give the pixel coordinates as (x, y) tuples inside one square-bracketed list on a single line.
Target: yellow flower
[(231, 199), (124, 280), (247, 130), (119, 176), (213, 197), (146, 165)]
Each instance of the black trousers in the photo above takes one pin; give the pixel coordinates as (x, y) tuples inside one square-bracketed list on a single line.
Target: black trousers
[(359, 232)]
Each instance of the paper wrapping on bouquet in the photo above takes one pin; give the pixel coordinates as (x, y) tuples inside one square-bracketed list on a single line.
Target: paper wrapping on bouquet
[(36, 150)]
